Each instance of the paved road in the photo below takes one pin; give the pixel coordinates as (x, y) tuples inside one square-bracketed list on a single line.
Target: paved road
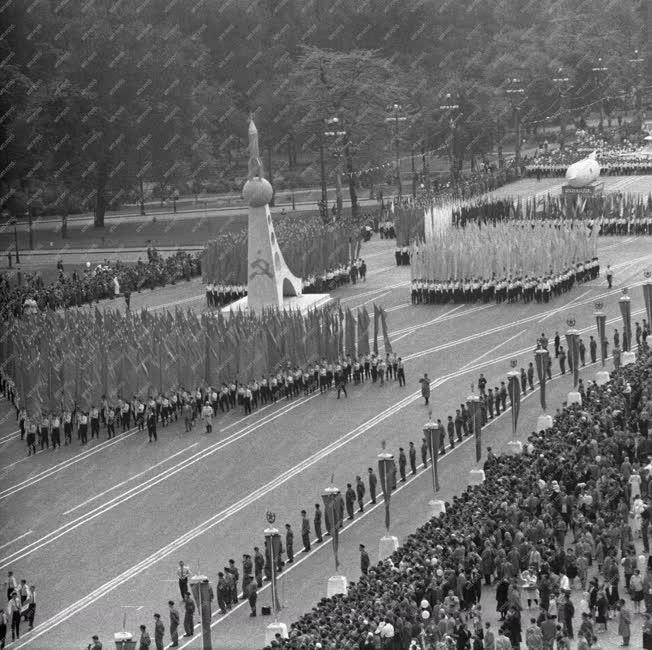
[(100, 529)]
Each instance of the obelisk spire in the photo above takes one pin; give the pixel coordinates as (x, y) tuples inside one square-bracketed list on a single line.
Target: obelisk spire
[(255, 164)]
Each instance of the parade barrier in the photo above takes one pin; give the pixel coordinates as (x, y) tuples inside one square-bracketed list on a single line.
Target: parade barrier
[(59, 360), (427, 555), (310, 247), (613, 213), (501, 251)]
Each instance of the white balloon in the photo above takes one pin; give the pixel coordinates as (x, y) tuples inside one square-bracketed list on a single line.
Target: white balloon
[(425, 614), (425, 604)]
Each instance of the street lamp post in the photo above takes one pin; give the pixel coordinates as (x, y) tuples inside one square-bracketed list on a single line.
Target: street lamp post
[(516, 93), (562, 83), (636, 61), (451, 107), (13, 222), (396, 119), (175, 198), (335, 131), (598, 71)]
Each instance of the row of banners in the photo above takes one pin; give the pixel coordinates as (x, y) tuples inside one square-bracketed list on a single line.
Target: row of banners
[(501, 251), (628, 206), (310, 248), (66, 359), (412, 222)]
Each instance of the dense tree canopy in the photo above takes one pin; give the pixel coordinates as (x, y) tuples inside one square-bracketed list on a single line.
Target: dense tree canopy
[(101, 98)]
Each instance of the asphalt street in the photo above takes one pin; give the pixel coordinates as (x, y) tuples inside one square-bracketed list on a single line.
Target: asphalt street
[(100, 529)]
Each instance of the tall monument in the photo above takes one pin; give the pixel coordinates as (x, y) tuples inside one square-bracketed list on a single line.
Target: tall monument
[(270, 283)]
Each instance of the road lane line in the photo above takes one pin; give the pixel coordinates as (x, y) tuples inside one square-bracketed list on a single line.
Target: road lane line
[(500, 345), (131, 478), (29, 532)]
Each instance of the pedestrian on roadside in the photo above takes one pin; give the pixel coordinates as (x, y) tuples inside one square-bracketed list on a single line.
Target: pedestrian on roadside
[(174, 624), (188, 618), (159, 632)]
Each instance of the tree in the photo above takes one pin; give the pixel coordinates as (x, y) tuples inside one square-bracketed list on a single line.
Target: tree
[(357, 87)]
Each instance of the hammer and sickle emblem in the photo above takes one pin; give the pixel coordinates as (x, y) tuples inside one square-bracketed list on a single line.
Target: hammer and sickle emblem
[(262, 267)]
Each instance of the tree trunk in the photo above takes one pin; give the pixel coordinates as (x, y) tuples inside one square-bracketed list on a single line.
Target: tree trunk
[(100, 201), (352, 188)]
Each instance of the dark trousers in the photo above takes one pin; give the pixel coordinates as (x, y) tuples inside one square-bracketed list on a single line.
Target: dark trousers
[(188, 625), (183, 587), (305, 538), (31, 613), (15, 626), (252, 603)]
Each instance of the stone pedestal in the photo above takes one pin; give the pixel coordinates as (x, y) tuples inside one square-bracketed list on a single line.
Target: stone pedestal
[(336, 585), (627, 358), (574, 398), (544, 422), (476, 476), (273, 629), (437, 507), (387, 545), (601, 377), (515, 447)]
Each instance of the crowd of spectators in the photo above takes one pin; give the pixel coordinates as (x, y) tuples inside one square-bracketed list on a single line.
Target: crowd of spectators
[(106, 280), (561, 516), (614, 159)]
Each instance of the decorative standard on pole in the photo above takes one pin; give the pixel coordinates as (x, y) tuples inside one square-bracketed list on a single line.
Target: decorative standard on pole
[(387, 474), (514, 391), (337, 583), (647, 295), (625, 304), (272, 549), (542, 360), (572, 342), (201, 593), (432, 432), (602, 376)]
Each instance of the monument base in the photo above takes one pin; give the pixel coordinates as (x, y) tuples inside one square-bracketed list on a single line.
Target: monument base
[(544, 422), (627, 358), (303, 303), (437, 507), (273, 629), (574, 398), (336, 585), (592, 189), (388, 544), (476, 476), (515, 447), (601, 377)]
